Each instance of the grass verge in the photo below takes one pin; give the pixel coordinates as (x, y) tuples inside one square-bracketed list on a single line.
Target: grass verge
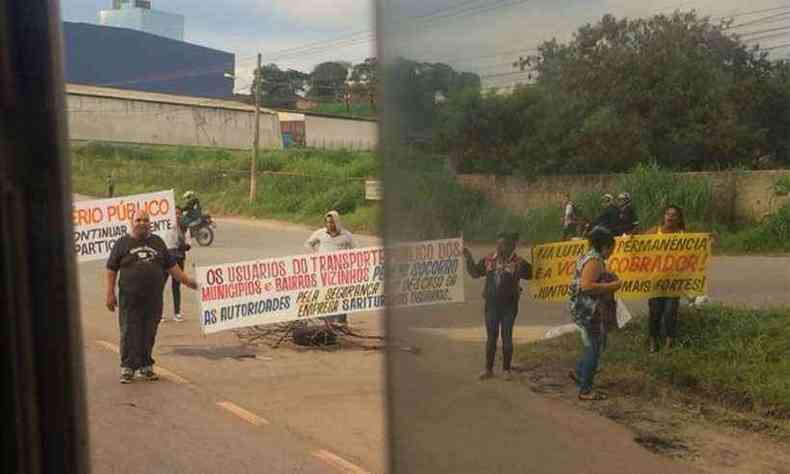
[(360, 110), (429, 203), (731, 361), (296, 185)]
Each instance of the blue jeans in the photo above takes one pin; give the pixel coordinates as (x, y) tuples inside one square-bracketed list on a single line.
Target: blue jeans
[(594, 341)]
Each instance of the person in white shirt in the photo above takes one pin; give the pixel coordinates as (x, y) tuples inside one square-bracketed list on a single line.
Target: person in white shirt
[(569, 219), (331, 238)]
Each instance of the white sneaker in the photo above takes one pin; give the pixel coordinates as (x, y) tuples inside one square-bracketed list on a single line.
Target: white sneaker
[(149, 374), (162, 319), (127, 375), (178, 318)]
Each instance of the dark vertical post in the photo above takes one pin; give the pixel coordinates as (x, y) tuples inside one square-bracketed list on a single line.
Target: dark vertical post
[(40, 336)]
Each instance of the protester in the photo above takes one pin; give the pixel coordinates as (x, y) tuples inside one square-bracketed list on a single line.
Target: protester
[(142, 260), (110, 186), (591, 285), (569, 219), (610, 215), (179, 254), (663, 310), (503, 271), (627, 219), (331, 238)]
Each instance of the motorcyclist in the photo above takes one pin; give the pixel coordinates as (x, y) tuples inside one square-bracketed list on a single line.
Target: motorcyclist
[(610, 214), (191, 212), (628, 218)]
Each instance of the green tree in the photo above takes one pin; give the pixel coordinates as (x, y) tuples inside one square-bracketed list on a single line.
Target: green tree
[(328, 80), (365, 77), (416, 88), (681, 89), (279, 86)]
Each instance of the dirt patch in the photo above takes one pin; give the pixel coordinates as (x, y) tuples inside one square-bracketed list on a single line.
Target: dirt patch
[(685, 429), (672, 447)]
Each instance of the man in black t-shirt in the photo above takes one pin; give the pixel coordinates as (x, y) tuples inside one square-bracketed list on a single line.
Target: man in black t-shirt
[(142, 260)]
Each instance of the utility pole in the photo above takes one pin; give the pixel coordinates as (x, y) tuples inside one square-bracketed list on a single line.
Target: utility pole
[(256, 140)]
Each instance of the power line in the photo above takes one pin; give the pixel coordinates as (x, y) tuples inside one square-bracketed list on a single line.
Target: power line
[(439, 15), (769, 30), (748, 13), (478, 10), (764, 37), (358, 37), (766, 19), (785, 45)]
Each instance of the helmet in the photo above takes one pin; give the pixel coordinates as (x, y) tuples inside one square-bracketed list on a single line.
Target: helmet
[(189, 195), (625, 197)]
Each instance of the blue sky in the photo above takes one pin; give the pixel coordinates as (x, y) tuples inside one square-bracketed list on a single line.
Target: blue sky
[(483, 36)]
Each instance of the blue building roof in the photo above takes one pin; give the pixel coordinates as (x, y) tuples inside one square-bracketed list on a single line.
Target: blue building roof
[(129, 59)]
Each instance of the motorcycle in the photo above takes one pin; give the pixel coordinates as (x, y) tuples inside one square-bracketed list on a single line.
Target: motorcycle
[(202, 230)]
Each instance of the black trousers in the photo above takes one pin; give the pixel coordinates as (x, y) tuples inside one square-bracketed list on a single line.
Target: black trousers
[(176, 288), (663, 312), (500, 318), (138, 320)]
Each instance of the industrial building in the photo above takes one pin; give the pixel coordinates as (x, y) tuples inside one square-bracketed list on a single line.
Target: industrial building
[(125, 58), (138, 15)]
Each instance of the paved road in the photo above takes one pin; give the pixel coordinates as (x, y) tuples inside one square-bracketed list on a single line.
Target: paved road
[(314, 411), (218, 410), (442, 420)]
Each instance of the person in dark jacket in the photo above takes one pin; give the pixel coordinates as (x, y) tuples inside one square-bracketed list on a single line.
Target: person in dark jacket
[(610, 215), (628, 220), (503, 270), (179, 254)]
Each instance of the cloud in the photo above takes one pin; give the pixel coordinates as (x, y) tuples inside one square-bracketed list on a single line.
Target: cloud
[(328, 14)]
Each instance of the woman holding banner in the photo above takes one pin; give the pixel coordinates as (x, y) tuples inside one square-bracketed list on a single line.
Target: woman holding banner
[(591, 285), (179, 254), (664, 311), (503, 271)]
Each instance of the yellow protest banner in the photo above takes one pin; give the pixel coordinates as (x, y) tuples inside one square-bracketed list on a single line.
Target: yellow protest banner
[(672, 265)]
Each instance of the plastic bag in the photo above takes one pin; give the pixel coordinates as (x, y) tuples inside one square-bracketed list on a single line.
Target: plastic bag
[(623, 314)]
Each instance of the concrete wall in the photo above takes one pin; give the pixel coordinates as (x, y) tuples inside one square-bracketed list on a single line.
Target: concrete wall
[(115, 115), (338, 133), (739, 196)]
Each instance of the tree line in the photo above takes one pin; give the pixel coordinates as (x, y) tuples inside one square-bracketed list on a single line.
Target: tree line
[(677, 90)]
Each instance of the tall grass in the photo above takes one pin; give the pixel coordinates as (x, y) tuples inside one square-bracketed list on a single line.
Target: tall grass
[(770, 235), (736, 357), (652, 188), (296, 185), (432, 204), (425, 202)]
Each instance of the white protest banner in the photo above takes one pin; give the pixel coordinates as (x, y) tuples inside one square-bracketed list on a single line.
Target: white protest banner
[(99, 223), (277, 290)]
